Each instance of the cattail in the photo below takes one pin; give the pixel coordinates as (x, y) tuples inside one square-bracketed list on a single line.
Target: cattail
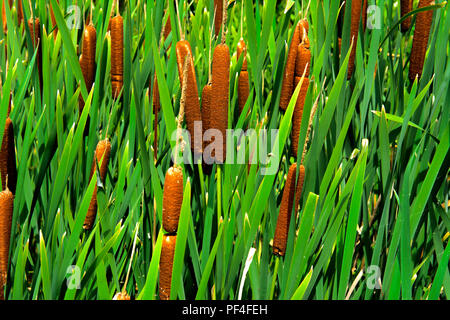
[(243, 89), (218, 16), (219, 95), (303, 60), (243, 81), (167, 28), (35, 31), (103, 150), (355, 19), (172, 198), (302, 68), (6, 212), (298, 113), (405, 8), (420, 40), (183, 48), (287, 202), (192, 103), (287, 85), (116, 55), (166, 266), (8, 157), (87, 59)]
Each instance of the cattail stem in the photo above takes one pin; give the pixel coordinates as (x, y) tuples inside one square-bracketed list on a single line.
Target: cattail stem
[(311, 118), (101, 156), (179, 21), (179, 138), (224, 20), (116, 55)]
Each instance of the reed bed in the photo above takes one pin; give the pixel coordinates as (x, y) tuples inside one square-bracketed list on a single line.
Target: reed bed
[(323, 182)]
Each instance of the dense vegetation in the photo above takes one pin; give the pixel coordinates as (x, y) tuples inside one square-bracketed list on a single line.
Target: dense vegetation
[(373, 221)]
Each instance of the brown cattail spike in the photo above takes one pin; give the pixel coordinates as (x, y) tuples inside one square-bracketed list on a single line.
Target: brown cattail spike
[(35, 31), (167, 28), (303, 60), (287, 85), (405, 8), (166, 266), (218, 16), (302, 68), (243, 85), (172, 198), (304, 25), (192, 103), (8, 157), (243, 90), (219, 96), (420, 40), (103, 150), (298, 113), (355, 20), (6, 212), (116, 55), (87, 59), (287, 202)]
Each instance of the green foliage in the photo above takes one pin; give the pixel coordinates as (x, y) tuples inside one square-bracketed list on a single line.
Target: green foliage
[(377, 176)]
